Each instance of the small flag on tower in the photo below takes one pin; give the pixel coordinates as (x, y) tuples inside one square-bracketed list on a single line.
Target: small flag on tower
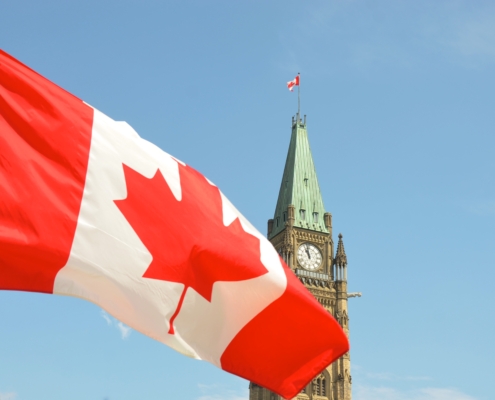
[(292, 83)]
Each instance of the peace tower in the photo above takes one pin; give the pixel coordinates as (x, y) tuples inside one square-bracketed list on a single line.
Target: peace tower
[(301, 232)]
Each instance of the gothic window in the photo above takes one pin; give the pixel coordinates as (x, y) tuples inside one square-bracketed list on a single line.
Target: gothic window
[(285, 216), (315, 217), (302, 213), (319, 386), (278, 218)]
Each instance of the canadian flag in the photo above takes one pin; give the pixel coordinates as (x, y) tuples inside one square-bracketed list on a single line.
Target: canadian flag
[(90, 209), (292, 83)]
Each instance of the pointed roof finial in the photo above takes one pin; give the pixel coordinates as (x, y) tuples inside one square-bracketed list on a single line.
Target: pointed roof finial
[(340, 257)]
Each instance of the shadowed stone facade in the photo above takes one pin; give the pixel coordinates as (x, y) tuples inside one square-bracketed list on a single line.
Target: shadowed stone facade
[(301, 231)]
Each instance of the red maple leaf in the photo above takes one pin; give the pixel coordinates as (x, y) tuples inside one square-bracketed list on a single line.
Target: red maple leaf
[(187, 239)]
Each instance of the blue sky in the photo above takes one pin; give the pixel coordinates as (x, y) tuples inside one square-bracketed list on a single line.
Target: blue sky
[(400, 103)]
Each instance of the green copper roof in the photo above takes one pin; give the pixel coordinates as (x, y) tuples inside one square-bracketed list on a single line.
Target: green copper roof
[(299, 186)]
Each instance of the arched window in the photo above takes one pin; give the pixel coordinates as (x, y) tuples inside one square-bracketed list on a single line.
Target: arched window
[(320, 386)]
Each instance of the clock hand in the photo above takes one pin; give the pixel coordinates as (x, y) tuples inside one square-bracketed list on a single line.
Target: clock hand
[(307, 252)]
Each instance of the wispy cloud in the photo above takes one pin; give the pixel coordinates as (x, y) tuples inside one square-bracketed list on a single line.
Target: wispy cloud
[(485, 208), (460, 32), (124, 330), (387, 393), (106, 317), (473, 35), (361, 373), (8, 396), (223, 397), (416, 378), (391, 386), (463, 30), (386, 376), (220, 392)]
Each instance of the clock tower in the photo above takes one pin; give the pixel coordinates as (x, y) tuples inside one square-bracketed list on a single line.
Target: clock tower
[(301, 232)]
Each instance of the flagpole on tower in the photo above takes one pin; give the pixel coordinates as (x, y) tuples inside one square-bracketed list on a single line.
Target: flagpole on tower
[(299, 96), (290, 86)]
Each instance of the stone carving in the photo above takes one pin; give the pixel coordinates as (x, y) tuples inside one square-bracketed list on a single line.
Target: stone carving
[(345, 318), (287, 242), (320, 292), (314, 237)]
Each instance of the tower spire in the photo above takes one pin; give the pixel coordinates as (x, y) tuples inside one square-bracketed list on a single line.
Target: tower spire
[(299, 187), (340, 261)]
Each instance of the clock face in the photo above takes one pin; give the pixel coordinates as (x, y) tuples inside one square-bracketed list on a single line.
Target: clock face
[(309, 256)]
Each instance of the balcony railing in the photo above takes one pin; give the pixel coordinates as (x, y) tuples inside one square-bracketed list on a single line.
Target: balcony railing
[(311, 274)]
